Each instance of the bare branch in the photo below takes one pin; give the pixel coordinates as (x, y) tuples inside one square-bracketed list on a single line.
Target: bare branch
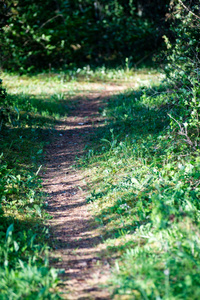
[(183, 131), (50, 20), (181, 2)]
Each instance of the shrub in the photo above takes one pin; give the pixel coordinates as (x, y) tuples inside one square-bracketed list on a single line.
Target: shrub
[(183, 70)]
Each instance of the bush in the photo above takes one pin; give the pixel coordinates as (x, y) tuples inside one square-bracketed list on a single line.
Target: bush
[(57, 34), (182, 71)]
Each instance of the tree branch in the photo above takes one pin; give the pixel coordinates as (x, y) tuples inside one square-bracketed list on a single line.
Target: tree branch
[(50, 20), (181, 2)]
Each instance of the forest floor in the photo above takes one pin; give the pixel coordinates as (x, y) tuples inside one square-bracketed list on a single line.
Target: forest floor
[(79, 250)]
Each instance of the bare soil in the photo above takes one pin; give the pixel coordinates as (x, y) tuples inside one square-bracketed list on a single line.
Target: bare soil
[(79, 250)]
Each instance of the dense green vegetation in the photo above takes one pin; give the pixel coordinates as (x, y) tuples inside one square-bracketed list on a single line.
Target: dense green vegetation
[(145, 170), (68, 34)]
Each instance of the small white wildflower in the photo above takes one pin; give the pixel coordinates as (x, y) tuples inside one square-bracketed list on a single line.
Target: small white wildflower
[(166, 272), (124, 206)]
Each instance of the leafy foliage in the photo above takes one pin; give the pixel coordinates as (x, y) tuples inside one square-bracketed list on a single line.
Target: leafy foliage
[(67, 33), (183, 71), (146, 170)]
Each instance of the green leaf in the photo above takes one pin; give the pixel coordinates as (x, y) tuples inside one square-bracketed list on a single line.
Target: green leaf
[(9, 231), (16, 246)]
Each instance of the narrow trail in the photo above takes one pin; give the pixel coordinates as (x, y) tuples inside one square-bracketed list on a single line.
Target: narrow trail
[(78, 245)]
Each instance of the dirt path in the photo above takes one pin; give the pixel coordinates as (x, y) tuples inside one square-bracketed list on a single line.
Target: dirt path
[(78, 246)]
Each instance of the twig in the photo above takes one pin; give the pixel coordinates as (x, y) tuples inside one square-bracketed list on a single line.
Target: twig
[(198, 183), (188, 9), (38, 170), (184, 133), (143, 58), (50, 20)]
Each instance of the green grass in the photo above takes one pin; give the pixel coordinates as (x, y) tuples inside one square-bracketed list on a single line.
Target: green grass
[(100, 74), (32, 108), (145, 195), (144, 188)]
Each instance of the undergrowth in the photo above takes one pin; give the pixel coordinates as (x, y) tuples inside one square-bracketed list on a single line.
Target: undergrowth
[(146, 175), (145, 191)]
